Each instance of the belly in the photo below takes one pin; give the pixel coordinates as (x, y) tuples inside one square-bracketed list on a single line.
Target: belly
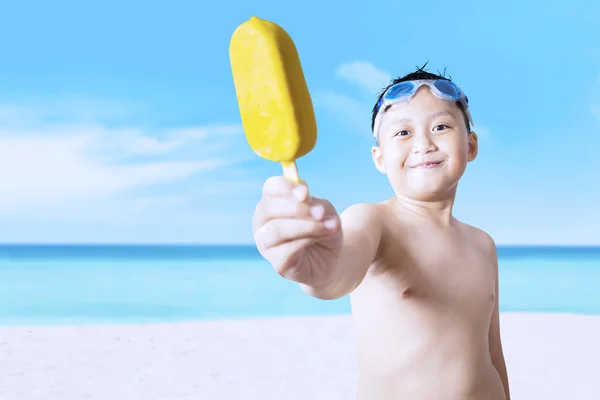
[(422, 348), (423, 367), (423, 388)]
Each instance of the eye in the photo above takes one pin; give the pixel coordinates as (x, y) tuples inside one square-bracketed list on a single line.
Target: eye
[(402, 133), (441, 127)]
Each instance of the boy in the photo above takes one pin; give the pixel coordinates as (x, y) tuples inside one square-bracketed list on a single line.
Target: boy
[(423, 286)]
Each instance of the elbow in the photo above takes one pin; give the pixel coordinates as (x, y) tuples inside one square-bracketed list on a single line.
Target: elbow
[(323, 293), (342, 283)]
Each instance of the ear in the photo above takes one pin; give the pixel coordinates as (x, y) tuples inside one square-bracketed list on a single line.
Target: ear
[(378, 158), (473, 146)]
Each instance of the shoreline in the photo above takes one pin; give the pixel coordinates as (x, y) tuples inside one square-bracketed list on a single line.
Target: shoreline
[(549, 356), (258, 319)]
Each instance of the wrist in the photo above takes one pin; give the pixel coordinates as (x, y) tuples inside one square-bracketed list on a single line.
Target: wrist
[(324, 289)]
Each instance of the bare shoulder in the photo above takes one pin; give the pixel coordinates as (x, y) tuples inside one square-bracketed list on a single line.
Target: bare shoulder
[(482, 239), (362, 226), (362, 216)]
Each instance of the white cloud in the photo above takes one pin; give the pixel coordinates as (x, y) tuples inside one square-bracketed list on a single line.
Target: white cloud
[(53, 170), (364, 75), (34, 112), (352, 114)]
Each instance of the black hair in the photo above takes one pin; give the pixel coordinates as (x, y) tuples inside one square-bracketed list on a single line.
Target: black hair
[(419, 73)]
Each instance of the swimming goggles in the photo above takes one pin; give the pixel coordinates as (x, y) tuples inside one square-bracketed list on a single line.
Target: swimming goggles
[(404, 91)]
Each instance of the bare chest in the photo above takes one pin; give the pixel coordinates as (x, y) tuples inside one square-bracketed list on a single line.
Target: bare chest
[(445, 274)]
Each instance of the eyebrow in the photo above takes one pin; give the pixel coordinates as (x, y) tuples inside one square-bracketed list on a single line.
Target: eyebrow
[(441, 113)]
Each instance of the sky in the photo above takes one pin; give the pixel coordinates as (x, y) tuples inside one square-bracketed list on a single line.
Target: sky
[(119, 122)]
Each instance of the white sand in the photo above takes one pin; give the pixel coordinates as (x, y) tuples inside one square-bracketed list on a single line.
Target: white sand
[(549, 357)]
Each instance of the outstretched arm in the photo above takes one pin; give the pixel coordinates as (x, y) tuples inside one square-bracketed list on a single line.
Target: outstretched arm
[(362, 228)]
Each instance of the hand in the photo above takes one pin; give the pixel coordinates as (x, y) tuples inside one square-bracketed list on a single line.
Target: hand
[(298, 234)]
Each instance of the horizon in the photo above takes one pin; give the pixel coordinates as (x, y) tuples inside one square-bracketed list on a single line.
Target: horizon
[(251, 245)]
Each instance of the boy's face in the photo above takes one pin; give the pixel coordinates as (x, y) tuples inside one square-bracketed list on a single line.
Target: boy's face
[(424, 147)]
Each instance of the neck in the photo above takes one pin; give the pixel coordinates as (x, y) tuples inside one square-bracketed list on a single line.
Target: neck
[(437, 210)]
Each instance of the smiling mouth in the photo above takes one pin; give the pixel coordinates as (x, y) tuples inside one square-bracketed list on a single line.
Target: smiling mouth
[(428, 164)]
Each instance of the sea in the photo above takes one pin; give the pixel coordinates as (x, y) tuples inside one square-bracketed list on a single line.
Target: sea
[(124, 284)]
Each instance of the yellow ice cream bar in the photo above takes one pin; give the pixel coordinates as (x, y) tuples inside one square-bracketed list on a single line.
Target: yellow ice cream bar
[(275, 105)]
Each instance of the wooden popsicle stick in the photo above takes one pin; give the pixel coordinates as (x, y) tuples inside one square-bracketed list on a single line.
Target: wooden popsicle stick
[(290, 171)]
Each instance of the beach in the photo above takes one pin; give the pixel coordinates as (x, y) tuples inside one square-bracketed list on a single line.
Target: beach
[(549, 356)]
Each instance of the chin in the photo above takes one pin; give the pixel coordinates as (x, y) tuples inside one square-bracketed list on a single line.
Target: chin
[(424, 188)]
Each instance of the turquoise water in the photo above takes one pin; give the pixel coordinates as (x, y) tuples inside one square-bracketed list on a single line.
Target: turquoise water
[(128, 284)]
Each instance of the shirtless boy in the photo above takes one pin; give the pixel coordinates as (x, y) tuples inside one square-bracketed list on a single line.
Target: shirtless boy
[(423, 286)]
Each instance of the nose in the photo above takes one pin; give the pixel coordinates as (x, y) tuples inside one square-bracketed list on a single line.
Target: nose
[(422, 143)]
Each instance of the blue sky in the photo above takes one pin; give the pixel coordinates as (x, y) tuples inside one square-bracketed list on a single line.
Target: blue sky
[(118, 120)]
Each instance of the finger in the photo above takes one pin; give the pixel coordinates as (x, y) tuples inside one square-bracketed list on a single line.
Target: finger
[(277, 207), (329, 209), (284, 258), (281, 230), (280, 186)]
